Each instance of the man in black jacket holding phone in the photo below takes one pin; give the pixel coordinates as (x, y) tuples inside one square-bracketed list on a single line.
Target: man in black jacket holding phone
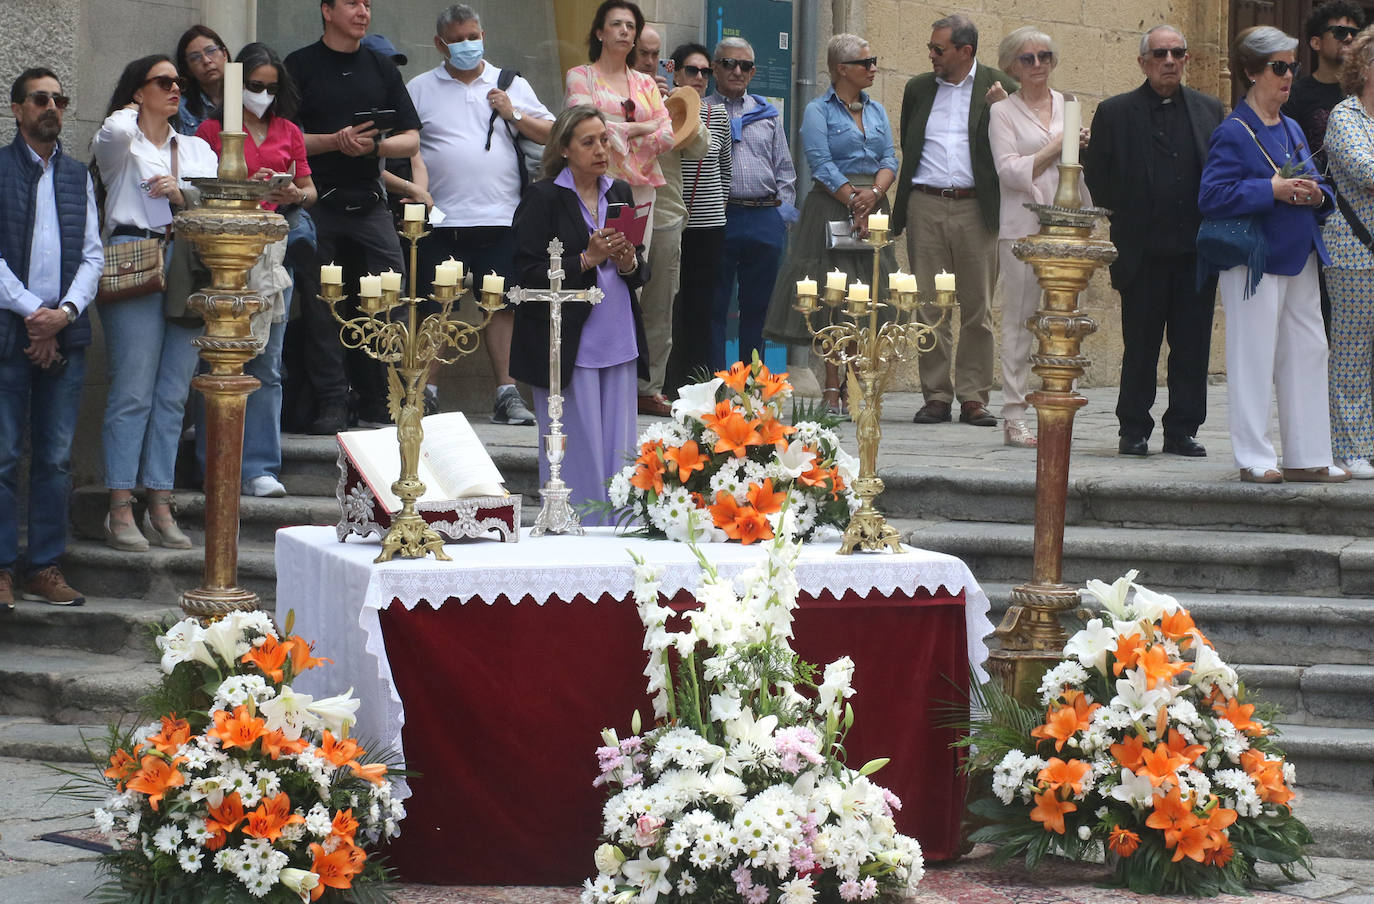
[(354, 110)]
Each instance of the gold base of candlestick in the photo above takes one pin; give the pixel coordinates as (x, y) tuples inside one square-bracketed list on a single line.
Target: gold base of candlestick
[(868, 530)]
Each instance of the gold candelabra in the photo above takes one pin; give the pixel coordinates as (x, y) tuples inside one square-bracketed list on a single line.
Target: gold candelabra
[(408, 346), (870, 351), (230, 232), (1063, 254)]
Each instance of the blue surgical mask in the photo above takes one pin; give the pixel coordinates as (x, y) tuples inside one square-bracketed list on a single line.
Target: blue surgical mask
[(465, 55)]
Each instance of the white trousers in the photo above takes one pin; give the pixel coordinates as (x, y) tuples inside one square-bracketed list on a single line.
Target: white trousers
[(1275, 339), (1020, 300)]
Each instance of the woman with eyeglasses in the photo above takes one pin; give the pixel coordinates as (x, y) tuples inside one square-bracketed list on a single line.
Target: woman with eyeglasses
[(1026, 132), (273, 145), (849, 148), (200, 59), (144, 168), (1259, 166)]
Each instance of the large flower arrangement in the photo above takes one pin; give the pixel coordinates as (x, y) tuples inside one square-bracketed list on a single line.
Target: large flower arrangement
[(244, 789), (740, 793), (725, 465), (1148, 754)]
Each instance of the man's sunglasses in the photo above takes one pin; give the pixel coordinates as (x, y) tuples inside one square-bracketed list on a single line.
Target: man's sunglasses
[(696, 71), (1342, 33), (41, 99), (866, 62), (1283, 67), (167, 83), (741, 65), (255, 87), (1177, 53), (940, 51), (1046, 57)]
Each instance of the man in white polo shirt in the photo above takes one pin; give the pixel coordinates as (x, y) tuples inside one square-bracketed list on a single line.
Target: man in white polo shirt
[(474, 172)]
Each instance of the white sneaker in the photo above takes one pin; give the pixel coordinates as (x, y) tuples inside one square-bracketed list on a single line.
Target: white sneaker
[(267, 485), (1359, 468)]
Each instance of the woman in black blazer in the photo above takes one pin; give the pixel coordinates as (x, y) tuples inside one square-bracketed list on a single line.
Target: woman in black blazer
[(603, 349)]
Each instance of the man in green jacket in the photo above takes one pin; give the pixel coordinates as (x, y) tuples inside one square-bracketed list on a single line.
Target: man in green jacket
[(948, 191)]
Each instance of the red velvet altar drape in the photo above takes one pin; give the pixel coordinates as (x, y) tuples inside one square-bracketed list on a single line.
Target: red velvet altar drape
[(504, 705)]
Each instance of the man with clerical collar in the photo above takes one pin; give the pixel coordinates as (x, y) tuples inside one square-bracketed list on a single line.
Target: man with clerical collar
[(473, 165), (1143, 163), (947, 192), (763, 197), (50, 263), (343, 85)]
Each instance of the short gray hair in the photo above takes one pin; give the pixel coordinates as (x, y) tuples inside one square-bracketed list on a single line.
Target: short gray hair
[(1011, 45), (1145, 38), (962, 31), (733, 41), (1252, 49), (842, 47), (456, 14)]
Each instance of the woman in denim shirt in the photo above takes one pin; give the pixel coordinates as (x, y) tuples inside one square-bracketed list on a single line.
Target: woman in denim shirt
[(849, 148), (1258, 164)]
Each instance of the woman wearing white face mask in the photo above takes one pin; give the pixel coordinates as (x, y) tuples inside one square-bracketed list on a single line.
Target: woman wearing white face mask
[(273, 144)]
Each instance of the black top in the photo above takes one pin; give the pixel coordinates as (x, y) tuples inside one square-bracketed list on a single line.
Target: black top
[(1309, 104), (1174, 218), (333, 87)]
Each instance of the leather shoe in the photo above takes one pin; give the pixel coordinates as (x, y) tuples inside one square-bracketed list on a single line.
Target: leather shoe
[(655, 405), (932, 413), (976, 414), (1184, 445), (1133, 445)]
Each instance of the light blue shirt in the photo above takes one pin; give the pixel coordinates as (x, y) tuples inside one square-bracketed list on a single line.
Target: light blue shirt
[(45, 255), (835, 146)]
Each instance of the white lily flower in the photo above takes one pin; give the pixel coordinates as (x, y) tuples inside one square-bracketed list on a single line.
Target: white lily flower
[(1091, 645), (1208, 667), (184, 642), (300, 881), (289, 712), (696, 400), (1135, 790), (1112, 597), (650, 874), (1138, 700), (225, 639), (796, 461), (337, 713), (1150, 606)]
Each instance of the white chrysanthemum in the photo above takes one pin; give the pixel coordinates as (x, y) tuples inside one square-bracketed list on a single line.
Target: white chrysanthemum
[(167, 838), (237, 690), (190, 859), (620, 489), (1067, 674), (728, 480)]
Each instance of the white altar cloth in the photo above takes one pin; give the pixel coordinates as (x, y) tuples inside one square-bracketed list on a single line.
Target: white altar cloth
[(336, 592)]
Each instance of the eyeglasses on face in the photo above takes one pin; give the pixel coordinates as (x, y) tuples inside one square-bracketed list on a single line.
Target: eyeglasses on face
[(1177, 53), (1342, 33), (1046, 57), (1283, 67), (41, 99), (210, 53), (696, 71), (741, 65), (269, 87), (627, 107), (866, 62)]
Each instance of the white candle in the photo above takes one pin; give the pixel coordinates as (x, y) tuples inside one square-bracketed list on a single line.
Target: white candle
[(895, 281), (391, 281), (415, 213), (858, 292), (944, 282), (446, 275), (908, 282), (835, 280), (806, 286), (233, 97), (457, 268), (493, 283), (877, 222), (370, 286), (331, 275), (1073, 118)]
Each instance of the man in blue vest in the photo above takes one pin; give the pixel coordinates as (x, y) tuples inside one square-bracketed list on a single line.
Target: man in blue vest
[(50, 262)]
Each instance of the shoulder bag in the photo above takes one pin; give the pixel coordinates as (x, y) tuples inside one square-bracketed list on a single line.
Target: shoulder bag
[(134, 269), (1226, 242)]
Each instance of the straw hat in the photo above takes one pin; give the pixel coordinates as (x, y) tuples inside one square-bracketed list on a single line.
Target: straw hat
[(684, 106)]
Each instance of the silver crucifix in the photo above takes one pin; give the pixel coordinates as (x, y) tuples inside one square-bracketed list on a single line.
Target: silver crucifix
[(556, 515)]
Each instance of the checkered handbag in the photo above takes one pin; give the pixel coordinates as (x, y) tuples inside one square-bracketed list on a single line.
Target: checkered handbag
[(132, 269)]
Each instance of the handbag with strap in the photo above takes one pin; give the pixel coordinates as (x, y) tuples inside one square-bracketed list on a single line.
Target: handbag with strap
[(134, 269), (840, 235), (1226, 242)]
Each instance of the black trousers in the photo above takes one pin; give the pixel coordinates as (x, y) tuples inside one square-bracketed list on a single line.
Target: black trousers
[(692, 310), (1162, 301)]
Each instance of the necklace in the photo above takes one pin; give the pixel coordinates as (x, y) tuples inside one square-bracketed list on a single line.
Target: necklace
[(856, 106)]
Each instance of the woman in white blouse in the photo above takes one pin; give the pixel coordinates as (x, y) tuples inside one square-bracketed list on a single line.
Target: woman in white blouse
[(1026, 132), (144, 167)]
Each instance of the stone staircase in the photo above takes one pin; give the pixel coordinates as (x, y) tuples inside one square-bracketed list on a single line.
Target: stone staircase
[(1280, 578)]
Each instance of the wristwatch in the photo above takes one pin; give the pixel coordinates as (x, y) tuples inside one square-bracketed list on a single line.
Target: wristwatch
[(516, 115), (70, 310)]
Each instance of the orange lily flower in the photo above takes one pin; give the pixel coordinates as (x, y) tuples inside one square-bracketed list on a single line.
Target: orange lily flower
[(1239, 714), (771, 384), (688, 458), (276, 744), (1123, 842), (1268, 776), (1160, 765), (1065, 721), (1178, 626), (155, 777), (724, 409), (336, 869), (1058, 773), (1158, 666), (648, 475), (725, 510), (736, 377), (1130, 752), (736, 434), (122, 765), (1173, 815), (1128, 650), (748, 526), (1218, 820), (1191, 843), (1050, 811), (223, 820), (338, 751), (273, 815), (174, 733), (373, 772), (1252, 761), (344, 825), (1184, 751), (301, 658), (773, 432), (763, 498), (237, 730), (269, 657)]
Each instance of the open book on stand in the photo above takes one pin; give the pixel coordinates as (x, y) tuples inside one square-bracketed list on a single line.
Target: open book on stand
[(464, 492)]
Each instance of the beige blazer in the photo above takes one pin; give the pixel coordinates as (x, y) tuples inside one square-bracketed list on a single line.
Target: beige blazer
[(1016, 133)]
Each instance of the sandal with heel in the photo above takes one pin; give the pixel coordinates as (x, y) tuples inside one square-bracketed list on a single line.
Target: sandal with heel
[(121, 535), (169, 536)]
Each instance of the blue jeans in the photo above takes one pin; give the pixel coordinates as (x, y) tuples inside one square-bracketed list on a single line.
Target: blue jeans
[(49, 403), (752, 253), (151, 362)]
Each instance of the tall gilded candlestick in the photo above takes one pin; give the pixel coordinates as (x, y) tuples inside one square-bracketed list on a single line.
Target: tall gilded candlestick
[(556, 515), (408, 346), (1063, 254)]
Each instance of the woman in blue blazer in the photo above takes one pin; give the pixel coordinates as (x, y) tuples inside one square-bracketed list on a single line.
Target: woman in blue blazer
[(1259, 165)]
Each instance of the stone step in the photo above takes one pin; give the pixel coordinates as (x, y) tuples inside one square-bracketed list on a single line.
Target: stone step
[(33, 738), (162, 574), (1330, 758), (71, 686), (122, 627), (259, 519), (1342, 823)]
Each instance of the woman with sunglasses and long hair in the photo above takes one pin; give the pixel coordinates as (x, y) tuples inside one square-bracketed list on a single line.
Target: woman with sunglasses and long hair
[(200, 59), (273, 144), (144, 167), (1259, 166), (1026, 132)]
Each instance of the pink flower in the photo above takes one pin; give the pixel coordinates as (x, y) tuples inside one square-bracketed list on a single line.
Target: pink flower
[(646, 830), (868, 888), (804, 860), (797, 744), (893, 801), (849, 889)]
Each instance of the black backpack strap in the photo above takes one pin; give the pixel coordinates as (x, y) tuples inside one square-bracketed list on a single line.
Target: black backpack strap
[(503, 82)]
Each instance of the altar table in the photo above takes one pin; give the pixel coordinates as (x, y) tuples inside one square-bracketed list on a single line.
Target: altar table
[(497, 671)]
